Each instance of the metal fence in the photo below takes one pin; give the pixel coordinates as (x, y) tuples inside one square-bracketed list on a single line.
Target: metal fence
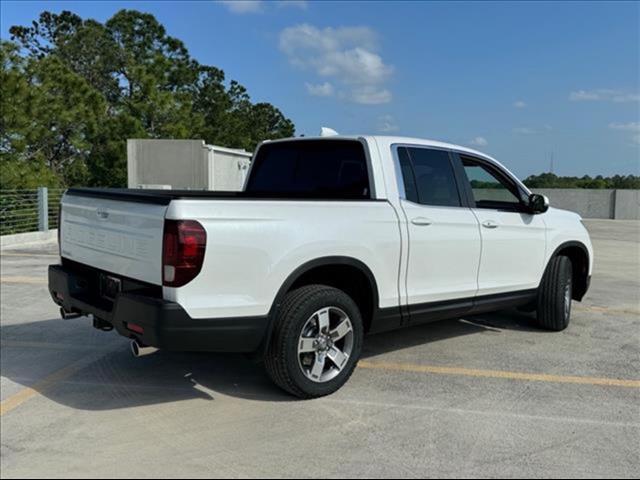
[(29, 210)]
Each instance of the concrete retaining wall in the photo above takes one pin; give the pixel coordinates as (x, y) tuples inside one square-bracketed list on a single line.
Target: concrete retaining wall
[(588, 203), (613, 204), (18, 240), (627, 205)]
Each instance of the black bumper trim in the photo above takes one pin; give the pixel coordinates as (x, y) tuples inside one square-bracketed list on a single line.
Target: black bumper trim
[(166, 324)]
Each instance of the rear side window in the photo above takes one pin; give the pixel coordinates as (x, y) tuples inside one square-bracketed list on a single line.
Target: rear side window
[(322, 169), (428, 177)]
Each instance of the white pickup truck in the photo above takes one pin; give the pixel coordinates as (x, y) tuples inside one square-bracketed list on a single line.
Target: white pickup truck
[(332, 238)]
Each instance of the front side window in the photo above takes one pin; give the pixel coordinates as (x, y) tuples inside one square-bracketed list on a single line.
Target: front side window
[(489, 189), (319, 169), (428, 177)]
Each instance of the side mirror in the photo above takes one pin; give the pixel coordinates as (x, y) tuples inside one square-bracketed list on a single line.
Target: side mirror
[(538, 203)]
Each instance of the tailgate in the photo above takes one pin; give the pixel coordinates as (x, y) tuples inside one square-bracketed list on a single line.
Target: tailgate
[(119, 236)]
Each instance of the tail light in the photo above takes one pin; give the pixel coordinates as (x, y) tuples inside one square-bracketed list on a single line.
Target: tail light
[(183, 248)]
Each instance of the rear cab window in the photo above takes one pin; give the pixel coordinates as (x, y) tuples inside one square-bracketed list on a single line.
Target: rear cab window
[(315, 169)]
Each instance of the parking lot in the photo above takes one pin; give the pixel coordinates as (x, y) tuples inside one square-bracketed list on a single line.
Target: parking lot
[(488, 396)]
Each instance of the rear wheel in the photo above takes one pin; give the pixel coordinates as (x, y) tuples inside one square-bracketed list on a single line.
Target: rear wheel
[(555, 294), (316, 342)]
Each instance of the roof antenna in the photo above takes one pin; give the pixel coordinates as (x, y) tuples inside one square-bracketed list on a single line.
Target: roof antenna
[(328, 132)]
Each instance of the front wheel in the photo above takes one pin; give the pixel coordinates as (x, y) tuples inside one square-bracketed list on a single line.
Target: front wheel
[(316, 342), (555, 294)]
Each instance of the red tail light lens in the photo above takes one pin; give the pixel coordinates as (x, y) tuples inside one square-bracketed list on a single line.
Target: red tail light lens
[(183, 249)]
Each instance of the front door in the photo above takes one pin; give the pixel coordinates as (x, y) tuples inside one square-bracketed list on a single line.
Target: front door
[(513, 239)]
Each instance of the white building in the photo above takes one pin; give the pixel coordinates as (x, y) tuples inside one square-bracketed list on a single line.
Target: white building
[(185, 164)]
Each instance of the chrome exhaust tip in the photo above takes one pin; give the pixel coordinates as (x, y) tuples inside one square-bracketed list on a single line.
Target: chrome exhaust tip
[(69, 315), (140, 350)]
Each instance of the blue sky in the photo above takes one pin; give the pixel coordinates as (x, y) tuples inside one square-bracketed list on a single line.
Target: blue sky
[(520, 81)]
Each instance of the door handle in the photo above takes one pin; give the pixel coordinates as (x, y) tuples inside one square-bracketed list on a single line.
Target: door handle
[(422, 221), (489, 224)]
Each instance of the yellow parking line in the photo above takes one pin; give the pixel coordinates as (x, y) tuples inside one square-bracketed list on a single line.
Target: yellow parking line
[(25, 394), (471, 372), (21, 279)]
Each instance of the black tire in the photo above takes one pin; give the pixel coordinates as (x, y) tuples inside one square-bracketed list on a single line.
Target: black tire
[(554, 295), (282, 359)]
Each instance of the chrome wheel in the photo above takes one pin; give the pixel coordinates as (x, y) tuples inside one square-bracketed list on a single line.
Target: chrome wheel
[(567, 298), (325, 344)]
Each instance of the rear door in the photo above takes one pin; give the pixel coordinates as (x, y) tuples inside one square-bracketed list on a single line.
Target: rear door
[(513, 239), (444, 236), (121, 237)]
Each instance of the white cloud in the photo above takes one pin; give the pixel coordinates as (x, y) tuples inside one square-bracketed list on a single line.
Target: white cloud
[(524, 130), (345, 54), (583, 95), (604, 94), (371, 95), (320, 90), (629, 127), (519, 104), (626, 97), (258, 6), (301, 4), (243, 6), (479, 142), (532, 130), (387, 124)]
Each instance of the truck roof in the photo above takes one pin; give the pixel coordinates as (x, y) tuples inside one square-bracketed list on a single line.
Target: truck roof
[(392, 139)]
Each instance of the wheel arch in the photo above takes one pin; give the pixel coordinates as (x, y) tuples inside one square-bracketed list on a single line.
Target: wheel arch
[(578, 253), (346, 273)]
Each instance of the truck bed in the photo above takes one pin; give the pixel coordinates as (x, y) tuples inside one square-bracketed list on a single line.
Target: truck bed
[(164, 197), (159, 197)]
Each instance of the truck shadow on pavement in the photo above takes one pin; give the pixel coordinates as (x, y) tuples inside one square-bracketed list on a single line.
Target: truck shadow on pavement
[(92, 370)]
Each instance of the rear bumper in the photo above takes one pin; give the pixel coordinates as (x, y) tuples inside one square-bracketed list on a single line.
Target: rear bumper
[(166, 325)]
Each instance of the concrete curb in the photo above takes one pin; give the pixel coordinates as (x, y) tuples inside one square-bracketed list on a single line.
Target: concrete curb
[(24, 239)]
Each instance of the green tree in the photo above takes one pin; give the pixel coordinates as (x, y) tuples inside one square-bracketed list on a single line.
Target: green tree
[(49, 115), (73, 91), (550, 180)]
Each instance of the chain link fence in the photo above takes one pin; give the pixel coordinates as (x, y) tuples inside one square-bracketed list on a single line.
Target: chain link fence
[(29, 210)]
